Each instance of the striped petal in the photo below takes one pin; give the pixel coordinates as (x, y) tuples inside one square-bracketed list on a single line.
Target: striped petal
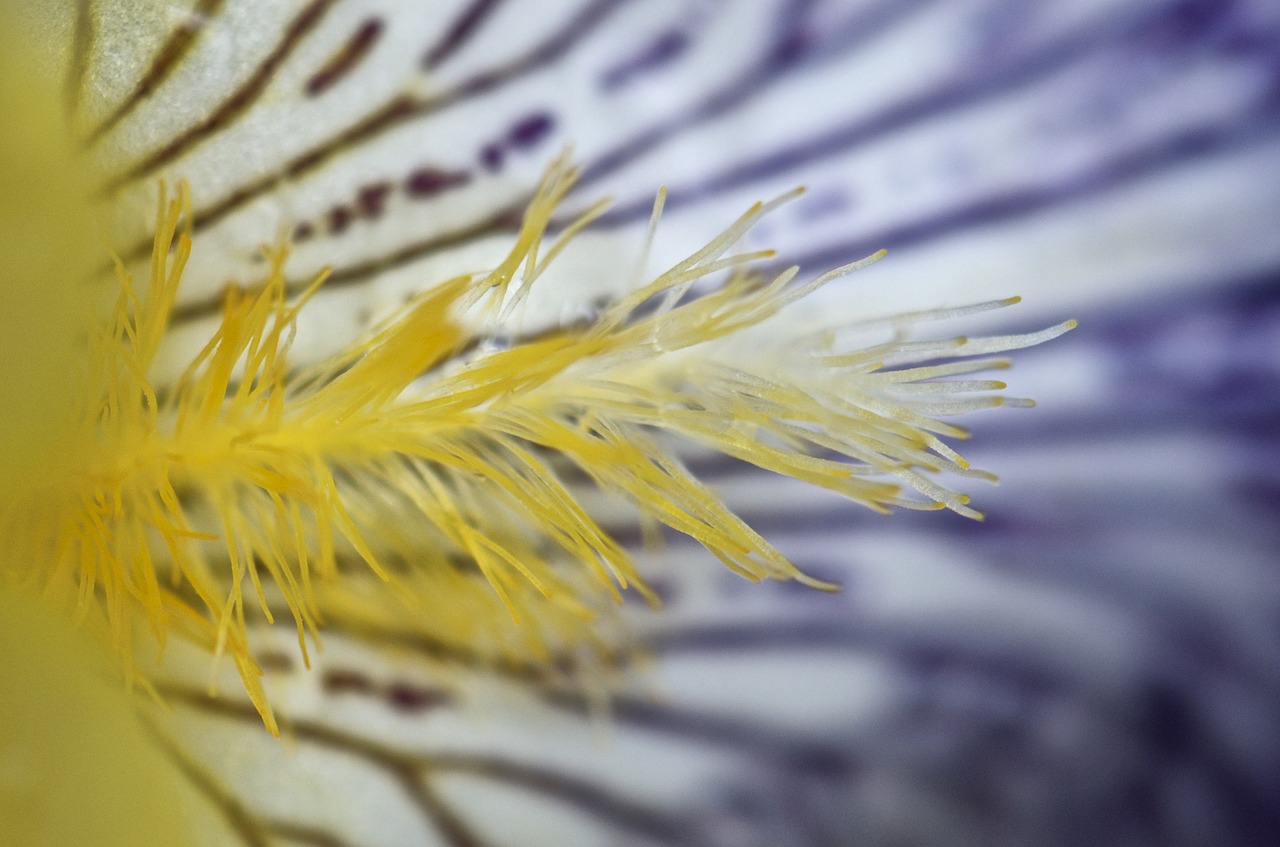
[(1095, 664)]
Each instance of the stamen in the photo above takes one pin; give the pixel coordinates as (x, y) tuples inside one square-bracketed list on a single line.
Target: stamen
[(382, 481)]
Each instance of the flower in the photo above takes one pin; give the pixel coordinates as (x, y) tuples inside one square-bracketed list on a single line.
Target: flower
[(336, 205)]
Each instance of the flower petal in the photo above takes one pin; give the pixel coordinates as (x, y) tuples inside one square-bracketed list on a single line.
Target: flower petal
[(1096, 664)]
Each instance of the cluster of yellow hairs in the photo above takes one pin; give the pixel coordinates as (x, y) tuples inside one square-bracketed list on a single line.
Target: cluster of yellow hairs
[(425, 456)]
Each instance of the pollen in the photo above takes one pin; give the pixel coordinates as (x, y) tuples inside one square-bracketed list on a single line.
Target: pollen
[(426, 474)]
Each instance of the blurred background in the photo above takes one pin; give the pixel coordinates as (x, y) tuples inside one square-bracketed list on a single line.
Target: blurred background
[(1097, 662)]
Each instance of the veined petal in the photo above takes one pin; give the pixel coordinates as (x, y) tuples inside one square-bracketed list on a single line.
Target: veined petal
[(1095, 664)]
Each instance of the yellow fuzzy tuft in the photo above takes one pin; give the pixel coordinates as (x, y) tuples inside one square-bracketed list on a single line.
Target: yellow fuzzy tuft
[(423, 456)]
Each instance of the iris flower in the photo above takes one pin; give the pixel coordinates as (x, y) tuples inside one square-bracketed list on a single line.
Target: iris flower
[(353, 436)]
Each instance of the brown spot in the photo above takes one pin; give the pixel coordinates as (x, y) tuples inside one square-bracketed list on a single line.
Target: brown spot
[(491, 157), (405, 697), (341, 681), (303, 232), (340, 217), (372, 199), (531, 130), (346, 57), (427, 182)]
